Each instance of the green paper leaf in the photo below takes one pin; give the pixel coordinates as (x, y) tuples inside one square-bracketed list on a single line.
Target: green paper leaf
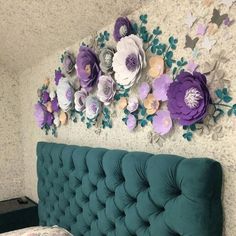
[(143, 123), (188, 136), (230, 112), (219, 93), (143, 18), (227, 99)]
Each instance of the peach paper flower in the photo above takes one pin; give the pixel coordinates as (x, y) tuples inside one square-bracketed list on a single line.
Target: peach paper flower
[(63, 117), (151, 104), (157, 66), (122, 104)]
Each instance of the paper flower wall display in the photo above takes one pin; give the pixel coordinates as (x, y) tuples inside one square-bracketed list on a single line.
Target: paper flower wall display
[(168, 91)]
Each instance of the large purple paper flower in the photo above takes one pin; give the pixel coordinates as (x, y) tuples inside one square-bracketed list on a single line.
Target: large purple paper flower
[(122, 28), (87, 66), (106, 89), (188, 98), (42, 116)]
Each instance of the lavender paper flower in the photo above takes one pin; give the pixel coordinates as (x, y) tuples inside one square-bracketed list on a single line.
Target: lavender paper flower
[(143, 90), (122, 28), (80, 99), (87, 66), (188, 98), (160, 87), (162, 122), (106, 89), (93, 107), (132, 104), (131, 122), (42, 116)]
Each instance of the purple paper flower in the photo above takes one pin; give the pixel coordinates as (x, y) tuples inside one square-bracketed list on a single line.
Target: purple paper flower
[(45, 97), (58, 76), (122, 28), (87, 66), (131, 122), (55, 106), (80, 99), (68, 61), (162, 122), (143, 90), (188, 98), (132, 104), (160, 87), (93, 107), (42, 116), (106, 89)]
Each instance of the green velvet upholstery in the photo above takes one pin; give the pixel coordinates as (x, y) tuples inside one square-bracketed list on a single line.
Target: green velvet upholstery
[(95, 192)]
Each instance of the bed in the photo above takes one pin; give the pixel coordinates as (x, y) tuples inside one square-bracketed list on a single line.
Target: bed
[(97, 192)]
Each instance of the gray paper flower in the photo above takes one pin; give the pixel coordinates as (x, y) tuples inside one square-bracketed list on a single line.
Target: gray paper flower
[(68, 61), (106, 59)]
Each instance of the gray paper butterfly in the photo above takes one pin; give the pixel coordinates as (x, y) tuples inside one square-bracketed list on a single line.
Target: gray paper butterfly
[(217, 18), (190, 43)]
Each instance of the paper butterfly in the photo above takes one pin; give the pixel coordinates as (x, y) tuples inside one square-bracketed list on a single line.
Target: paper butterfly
[(228, 3), (190, 43), (208, 44), (217, 18), (190, 20)]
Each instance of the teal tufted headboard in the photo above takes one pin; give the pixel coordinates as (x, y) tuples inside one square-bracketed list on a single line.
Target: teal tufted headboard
[(95, 192)]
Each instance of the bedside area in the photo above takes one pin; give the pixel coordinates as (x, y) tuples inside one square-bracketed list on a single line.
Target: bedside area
[(18, 213)]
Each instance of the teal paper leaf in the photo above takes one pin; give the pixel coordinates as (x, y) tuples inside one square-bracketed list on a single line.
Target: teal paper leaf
[(143, 18)]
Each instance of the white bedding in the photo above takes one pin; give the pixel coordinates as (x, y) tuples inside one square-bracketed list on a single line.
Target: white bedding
[(39, 231)]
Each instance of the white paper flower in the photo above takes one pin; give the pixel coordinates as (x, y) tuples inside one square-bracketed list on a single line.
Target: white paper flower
[(129, 60), (106, 89), (65, 94), (80, 99), (56, 120), (93, 107)]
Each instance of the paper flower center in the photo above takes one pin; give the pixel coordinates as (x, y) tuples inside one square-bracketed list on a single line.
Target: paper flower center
[(69, 95), (123, 30), (131, 62), (154, 104), (166, 122), (88, 69), (108, 59), (94, 108), (192, 97)]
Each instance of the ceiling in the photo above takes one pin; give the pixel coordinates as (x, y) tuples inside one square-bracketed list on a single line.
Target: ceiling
[(33, 29)]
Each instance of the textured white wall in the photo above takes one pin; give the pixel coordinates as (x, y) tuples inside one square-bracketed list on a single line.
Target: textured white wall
[(11, 160), (222, 150)]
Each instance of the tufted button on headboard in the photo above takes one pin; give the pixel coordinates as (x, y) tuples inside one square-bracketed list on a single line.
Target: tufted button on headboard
[(95, 192)]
